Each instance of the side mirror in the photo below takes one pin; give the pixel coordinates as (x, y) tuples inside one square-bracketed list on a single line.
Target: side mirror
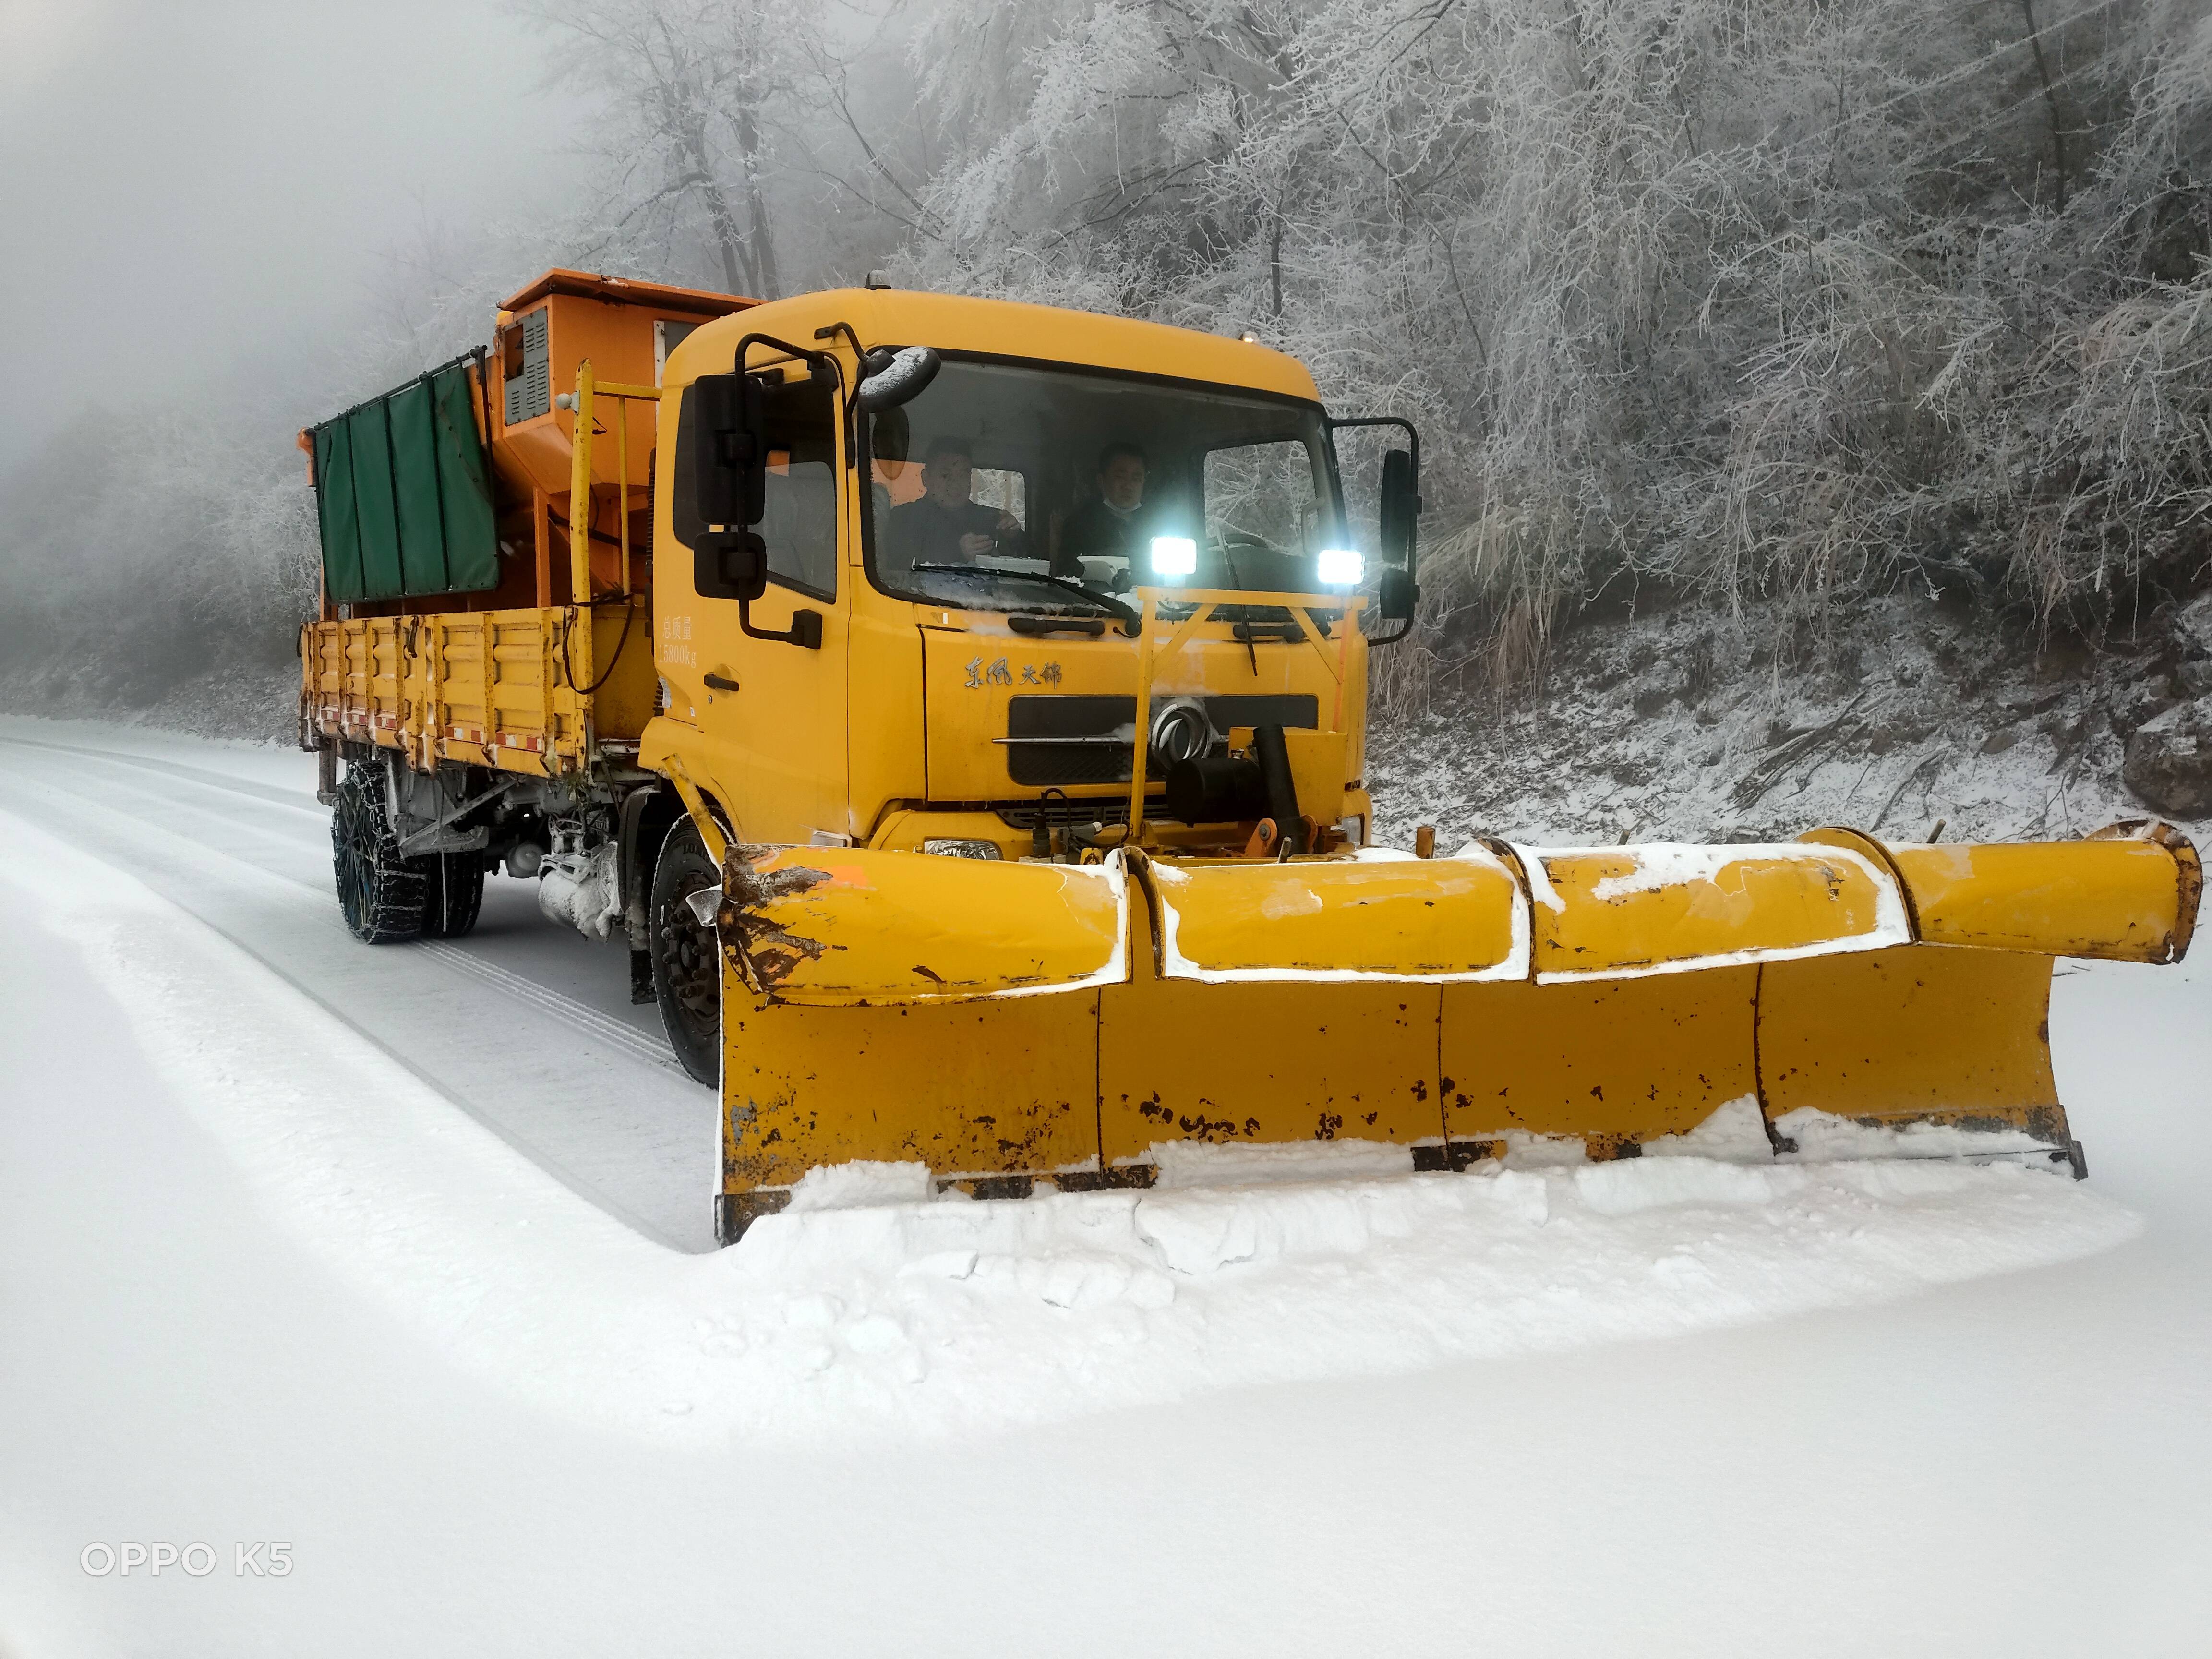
[(1398, 596), (730, 466), (1399, 506), (896, 377), (730, 564), (1398, 509)]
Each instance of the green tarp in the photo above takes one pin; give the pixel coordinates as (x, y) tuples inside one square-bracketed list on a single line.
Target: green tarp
[(404, 494)]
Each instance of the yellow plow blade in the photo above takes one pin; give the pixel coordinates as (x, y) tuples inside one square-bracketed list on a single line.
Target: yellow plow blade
[(1402, 919), (835, 924), (1003, 1022), (1623, 911), (2109, 897)]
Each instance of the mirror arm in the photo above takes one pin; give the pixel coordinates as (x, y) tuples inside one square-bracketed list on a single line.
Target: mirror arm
[(809, 358), (1413, 450), (1413, 433), (814, 360), (805, 629), (852, 404)]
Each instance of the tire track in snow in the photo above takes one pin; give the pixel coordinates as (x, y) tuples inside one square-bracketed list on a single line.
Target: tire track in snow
[(589, 1191), (263, 792), (543, 997), (564, 1007), (629, 1147)]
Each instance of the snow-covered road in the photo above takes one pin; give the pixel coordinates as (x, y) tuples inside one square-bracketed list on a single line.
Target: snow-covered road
[(265, 1277), (524, 1026)]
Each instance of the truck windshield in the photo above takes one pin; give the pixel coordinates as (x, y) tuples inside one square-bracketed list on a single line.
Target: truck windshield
[(1008, 488)]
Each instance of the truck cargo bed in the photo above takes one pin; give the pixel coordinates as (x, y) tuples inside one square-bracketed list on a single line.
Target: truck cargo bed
[(486, 688)]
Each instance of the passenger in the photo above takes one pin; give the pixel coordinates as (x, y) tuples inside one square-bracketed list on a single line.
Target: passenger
[(941, 526), (1107, 528)]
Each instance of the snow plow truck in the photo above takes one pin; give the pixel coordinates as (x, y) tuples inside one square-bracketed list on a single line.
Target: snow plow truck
[(959, 707)]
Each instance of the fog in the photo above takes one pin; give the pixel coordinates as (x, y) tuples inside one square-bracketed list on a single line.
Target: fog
[(1745, 300), (190, 191)]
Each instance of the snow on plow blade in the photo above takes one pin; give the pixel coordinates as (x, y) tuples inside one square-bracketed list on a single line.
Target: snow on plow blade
[(1004, 1022)]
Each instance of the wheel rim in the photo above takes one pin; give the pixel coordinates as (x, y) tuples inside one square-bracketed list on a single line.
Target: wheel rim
[(355, 861), (693, 964)]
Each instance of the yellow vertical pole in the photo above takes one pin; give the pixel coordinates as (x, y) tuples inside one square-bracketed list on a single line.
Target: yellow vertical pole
[(579, 554), (434, 689), (580, 491), (1347, 620), (541, 532), (622, 473), (1146, 631)]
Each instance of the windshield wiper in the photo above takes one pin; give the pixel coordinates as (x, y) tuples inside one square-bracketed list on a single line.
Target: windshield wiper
[(1118, 608)]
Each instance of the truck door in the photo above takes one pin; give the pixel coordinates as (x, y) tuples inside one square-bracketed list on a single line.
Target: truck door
[(783, 726)]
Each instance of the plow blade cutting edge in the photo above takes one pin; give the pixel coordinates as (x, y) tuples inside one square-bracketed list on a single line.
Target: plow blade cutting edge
[(1005, 1024)]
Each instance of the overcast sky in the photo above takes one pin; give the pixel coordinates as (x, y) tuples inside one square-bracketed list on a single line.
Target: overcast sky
[(191, 185)]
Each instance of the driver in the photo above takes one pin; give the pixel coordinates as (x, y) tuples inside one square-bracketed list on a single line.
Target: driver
[(941, 526), (1106, 528)]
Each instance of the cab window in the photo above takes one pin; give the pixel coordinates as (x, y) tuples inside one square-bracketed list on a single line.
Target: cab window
[(799, 522)]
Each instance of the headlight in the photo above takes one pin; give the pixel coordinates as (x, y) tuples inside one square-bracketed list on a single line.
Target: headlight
[(953, 847), (1339, 566), (1174, 556)]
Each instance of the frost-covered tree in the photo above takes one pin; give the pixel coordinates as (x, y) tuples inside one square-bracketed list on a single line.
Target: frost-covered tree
[(146, 547), (1763, 294), (694, 95)]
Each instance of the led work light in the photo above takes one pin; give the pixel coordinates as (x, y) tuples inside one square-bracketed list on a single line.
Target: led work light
[(1341, 567), (1174, 556)]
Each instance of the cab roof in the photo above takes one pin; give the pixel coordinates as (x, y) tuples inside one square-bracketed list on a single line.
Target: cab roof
[(621, 290), (999, 328)]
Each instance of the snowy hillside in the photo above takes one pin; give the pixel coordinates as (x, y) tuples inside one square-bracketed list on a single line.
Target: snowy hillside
[(1685, 723)]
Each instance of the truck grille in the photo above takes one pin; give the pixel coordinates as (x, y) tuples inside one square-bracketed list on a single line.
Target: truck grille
[(1063, 740)]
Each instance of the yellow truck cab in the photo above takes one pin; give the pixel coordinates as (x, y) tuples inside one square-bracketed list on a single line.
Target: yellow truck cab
[(965, 695)]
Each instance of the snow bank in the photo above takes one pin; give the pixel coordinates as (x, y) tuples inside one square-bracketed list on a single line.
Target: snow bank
[(915, 1314), (1736, 1130), (859, 1184)]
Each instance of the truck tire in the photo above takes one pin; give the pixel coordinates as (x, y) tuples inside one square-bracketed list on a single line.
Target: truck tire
[(381, 893), (687, 959), (452, 893)]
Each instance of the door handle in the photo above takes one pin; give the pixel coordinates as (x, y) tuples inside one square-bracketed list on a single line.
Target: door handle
[(716, 683)]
